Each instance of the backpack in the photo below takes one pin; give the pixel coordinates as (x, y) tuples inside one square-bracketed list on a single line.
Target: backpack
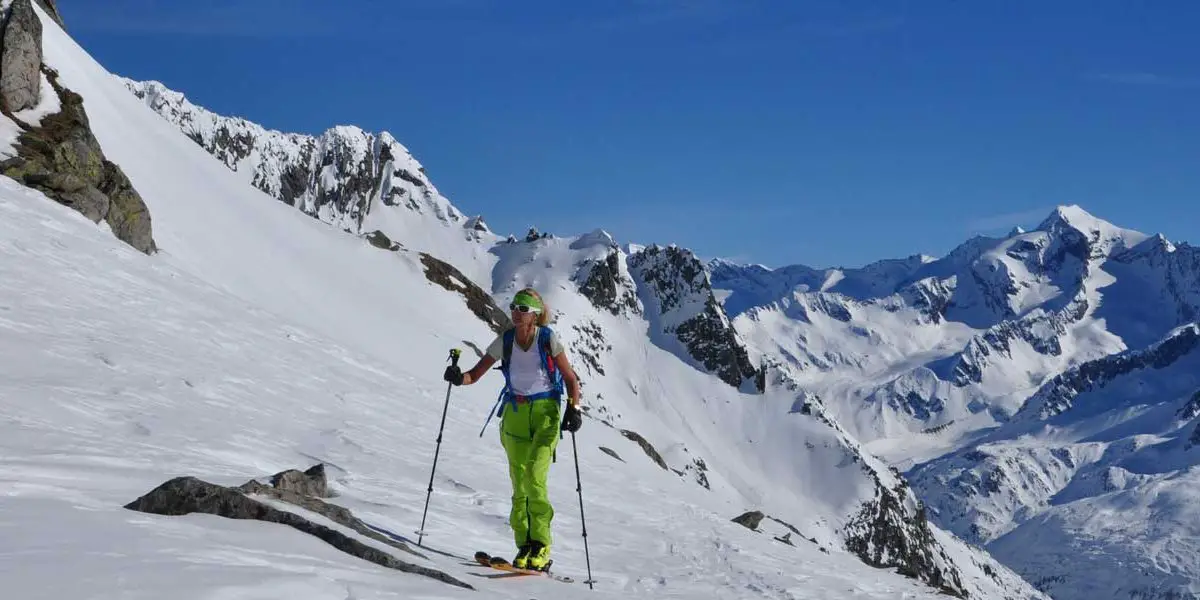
[(557, 386)]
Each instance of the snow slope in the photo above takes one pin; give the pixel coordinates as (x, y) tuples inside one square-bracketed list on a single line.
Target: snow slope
[(123, 371), (260, 339), (1097, 473)]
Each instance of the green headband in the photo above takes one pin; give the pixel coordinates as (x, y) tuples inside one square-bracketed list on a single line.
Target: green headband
[(528, 300)]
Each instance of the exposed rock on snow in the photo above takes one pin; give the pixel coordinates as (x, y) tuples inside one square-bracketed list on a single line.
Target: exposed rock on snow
[(187, 495), (62, 158), (479, 301)]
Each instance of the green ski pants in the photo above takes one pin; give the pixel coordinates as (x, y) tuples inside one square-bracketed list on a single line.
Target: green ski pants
[(529, 435)]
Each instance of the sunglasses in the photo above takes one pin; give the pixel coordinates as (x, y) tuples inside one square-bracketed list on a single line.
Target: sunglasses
[(523, 308)]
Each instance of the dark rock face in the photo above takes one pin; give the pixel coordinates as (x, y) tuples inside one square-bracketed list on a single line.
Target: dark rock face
[(478, 301), (20, 57), (611, 452), (380, 240), (674, 275), (715, 344), (678, 280), (1057, 396), (750, 520), (883, 534), (647, 447), (63, 159), (1191, 410), (607, 289), (52, 11), (357, 176), (186, 495)]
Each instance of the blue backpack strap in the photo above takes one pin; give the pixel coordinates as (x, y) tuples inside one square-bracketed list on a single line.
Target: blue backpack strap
[(506, 356), (552, 370), (510, 338), (505, 360)]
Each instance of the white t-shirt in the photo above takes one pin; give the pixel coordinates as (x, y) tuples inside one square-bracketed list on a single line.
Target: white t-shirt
[(526, 372)]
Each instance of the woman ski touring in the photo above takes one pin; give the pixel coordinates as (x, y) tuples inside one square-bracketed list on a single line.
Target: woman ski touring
[(536, 371)]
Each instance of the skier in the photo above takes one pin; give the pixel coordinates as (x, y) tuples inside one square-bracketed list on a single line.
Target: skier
[(535, 369)]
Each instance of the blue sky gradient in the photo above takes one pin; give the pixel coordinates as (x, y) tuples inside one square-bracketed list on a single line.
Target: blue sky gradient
[(774, 132)]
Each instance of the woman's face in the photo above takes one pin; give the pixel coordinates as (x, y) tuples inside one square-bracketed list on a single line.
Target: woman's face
[(523, 315)]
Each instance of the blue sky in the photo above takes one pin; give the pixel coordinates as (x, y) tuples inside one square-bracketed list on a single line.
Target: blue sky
[(777, 132)]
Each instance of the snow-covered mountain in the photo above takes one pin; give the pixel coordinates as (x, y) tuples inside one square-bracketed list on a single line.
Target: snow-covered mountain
[(1090, 490), (259, 339), (357, 181), (1047, 377)]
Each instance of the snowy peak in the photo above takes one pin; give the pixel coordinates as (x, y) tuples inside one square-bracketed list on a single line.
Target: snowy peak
[(347, 177), (1102, 237)]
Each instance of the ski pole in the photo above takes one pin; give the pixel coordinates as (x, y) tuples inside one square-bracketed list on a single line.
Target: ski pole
[(454, 354), (579, 488)]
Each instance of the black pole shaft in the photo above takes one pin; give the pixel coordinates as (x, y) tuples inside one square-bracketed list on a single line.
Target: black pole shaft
[(429, 492), (579, 488)]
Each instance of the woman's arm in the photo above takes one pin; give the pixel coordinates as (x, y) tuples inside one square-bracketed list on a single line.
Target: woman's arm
[(569, 378), (479, 370)]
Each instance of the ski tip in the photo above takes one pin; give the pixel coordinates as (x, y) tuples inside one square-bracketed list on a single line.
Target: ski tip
[(482, 556)]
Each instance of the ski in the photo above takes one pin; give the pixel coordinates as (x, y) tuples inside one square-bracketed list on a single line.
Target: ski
[(496, 562)]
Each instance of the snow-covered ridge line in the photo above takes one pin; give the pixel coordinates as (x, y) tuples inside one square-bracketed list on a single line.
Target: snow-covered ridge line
[(339, 177), (1058, 396)]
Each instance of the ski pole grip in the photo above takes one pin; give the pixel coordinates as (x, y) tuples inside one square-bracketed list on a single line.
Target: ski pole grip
[(454, 354)]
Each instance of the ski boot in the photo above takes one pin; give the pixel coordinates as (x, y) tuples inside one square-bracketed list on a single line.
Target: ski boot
[(538, 557)]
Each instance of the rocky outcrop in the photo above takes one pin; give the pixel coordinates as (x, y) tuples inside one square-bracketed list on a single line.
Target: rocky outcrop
[(884, 533), (59, 155), (52, 11), (380, 240), (1191, 409), (687, 309), (307, 483), (609, 288), (750, 519), (611, 452), (713, 341), (478, 301), (20, 57), (187, 495), (647, 447)]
